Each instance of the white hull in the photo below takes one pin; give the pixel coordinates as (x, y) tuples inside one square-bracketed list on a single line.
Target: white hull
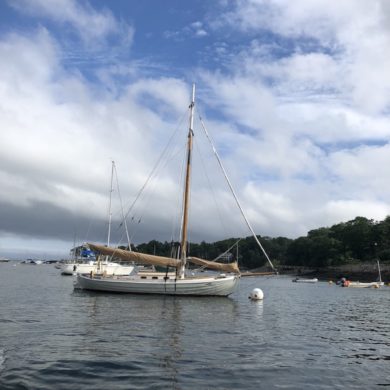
[(297, 280), (86, 268), (138, 284), (365, 285)]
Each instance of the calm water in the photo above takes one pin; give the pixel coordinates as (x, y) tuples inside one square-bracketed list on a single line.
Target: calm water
[(301, 336)]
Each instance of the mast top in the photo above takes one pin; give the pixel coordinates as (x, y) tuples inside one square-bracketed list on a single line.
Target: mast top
[(193, 94)]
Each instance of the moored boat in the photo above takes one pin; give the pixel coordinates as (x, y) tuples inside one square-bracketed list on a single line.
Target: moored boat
[(184, 281), (159, 283), (362, 284), (347, 283), (109, 268), (303, 280)]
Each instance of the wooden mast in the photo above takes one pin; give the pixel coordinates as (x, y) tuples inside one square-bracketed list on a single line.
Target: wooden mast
[(186, 195)]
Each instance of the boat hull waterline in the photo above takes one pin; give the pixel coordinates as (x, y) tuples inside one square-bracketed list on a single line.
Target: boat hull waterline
[(202, 286)]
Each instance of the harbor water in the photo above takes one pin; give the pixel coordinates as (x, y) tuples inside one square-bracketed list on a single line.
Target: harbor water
[(301, 336)]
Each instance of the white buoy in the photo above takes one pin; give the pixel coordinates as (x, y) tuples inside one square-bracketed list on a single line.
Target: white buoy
[(256, 294)]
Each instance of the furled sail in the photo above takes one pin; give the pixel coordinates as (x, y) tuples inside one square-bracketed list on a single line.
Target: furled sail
[(142, 258), (230, 267)]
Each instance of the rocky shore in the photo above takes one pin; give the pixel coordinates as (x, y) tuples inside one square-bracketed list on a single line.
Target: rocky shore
[(363, 272)]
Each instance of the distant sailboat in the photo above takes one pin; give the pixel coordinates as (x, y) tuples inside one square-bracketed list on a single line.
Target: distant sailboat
[(84, 264), (182, 281), (378, 283)]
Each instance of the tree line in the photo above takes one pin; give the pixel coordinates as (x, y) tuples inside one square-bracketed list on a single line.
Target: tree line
[(358, 240)]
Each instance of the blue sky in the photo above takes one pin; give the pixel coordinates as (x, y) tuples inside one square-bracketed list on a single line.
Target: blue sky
[(295, 95)]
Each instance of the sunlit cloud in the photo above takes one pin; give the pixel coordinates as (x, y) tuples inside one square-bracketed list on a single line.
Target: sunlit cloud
[(294, 94)]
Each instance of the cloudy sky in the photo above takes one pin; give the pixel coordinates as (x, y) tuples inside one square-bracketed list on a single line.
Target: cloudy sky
[(294, 94)]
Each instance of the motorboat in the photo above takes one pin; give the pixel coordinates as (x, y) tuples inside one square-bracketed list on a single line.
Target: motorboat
[(107, 268)]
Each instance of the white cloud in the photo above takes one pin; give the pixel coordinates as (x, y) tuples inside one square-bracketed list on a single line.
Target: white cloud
[(309, 103), (346, 210), (244, 99), (59, 133), (198, 29), (91, 24), (303, 135), (348, 38), (363, 170), (195, 29)]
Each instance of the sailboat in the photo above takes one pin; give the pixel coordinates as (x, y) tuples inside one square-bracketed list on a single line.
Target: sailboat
[(86, 263), (183, 281), (378, 283)]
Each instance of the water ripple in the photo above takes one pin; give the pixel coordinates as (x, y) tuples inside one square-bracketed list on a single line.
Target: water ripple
[(300, 336)]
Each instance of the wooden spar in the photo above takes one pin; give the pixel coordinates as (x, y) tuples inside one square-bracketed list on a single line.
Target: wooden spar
[(186, 194)]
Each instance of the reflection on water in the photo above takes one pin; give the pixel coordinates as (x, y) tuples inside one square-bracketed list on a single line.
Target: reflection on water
[(172, 347), (258, 307), (2, 359), (299, 336)]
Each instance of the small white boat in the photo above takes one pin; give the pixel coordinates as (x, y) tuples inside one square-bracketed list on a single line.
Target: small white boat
[(362, 284), (33, 262), (108, 268), (301, 280), (377, 284)]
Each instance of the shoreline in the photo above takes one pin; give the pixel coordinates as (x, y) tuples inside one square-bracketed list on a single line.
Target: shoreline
[(364, 272)]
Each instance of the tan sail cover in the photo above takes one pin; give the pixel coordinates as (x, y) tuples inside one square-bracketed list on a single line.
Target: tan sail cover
[(144, 258), (231, 267)]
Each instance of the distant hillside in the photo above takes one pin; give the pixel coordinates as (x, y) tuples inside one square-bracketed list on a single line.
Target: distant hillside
[(360, 240)]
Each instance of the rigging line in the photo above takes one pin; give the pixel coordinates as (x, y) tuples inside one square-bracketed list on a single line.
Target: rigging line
[(110, 204), (152, 188), (136, 219), (139, 215), (234, 194), (114, 172), (88, 230), (210, 186), (256, 281), (218, 257), (155, 167), (121, 204), (228, 250)]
